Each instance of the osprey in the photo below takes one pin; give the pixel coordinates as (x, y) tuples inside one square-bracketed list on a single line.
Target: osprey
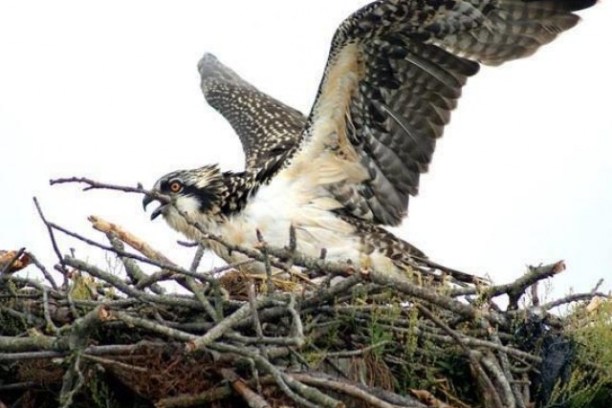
[(395, 72)]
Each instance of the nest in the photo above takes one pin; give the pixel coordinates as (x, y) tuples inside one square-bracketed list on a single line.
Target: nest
[(356, 339)]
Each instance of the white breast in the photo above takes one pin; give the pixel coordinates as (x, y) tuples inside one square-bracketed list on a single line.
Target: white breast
[(289, 201)]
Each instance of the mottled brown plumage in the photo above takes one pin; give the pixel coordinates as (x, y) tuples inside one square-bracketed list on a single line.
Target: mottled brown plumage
[(395, 72), (412, 59)]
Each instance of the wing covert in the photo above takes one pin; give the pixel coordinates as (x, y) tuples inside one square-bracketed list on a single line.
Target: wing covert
[(267, 128)]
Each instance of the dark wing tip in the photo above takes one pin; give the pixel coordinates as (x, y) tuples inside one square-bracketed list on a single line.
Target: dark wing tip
[(575, 5), (567, 5), (212, 71), (207, 63)]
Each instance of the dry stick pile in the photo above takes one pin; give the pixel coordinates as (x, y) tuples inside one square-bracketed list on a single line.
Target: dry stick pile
[(235, 340)]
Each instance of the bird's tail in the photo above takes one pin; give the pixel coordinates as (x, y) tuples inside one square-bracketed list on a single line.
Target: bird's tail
[(404, 255)]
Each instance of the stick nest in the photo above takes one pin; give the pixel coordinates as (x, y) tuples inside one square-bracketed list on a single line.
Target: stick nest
[(113, 336)]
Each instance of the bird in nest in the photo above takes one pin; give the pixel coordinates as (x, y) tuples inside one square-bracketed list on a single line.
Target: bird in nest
[(395, 71)]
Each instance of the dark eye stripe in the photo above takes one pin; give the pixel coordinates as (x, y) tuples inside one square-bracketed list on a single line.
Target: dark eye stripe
[(205, 196)]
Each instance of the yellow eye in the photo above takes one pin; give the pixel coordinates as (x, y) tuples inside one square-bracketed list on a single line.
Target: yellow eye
[(176, 186)]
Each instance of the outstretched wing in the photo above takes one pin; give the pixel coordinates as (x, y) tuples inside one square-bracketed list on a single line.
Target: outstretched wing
[(267, 128), (395, 72)]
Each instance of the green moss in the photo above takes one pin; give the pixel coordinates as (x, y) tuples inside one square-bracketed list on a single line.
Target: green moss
[(83, 287), (99, 392), (590, 384)]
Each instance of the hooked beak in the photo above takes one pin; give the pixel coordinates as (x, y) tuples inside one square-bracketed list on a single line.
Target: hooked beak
[(157, 212)]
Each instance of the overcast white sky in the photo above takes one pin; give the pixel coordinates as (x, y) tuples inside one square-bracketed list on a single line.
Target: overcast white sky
[(110, 90)]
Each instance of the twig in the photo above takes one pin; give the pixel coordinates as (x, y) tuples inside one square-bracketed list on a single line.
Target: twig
[(133, 241), (577, 297), (197, 259), (49, 321), (152, 326), (72, 382), (255, 314), (131, 267), (207, 277), (255, 317), (198, 292), (35, 343), (344, 388), (205, 398), (267, 341), (429, 399), (263, 248), (253, 399), (313, 394), (114, 363), (359, 352), (535, 299), (223, 326), (292, 248), (44, 271), (53, 241), (81, 329), (95, 185), (297, 329), (188, 244), (17, 386), (506, 389), (490, 395), (597, 286), (61, 351), (517, 288), (324, 295)]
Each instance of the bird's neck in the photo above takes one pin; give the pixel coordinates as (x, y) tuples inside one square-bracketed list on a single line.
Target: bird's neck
[(237, 189)]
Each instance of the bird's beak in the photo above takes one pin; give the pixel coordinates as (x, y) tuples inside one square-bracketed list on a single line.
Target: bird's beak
[(157, 212), (146, 201)]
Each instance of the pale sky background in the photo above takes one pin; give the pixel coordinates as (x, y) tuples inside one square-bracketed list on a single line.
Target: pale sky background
[(110, 90)]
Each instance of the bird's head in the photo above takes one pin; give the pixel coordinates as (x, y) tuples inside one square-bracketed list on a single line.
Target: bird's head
[(196, 192)]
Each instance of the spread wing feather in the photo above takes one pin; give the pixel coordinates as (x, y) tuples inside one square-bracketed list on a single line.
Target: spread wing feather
[(267, 128), (395, 72)]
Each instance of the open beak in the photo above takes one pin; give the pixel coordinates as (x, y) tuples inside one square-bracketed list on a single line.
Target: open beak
[(157, 212)]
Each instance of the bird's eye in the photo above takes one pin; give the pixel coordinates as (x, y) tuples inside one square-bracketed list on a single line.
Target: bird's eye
[(176, 186)]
